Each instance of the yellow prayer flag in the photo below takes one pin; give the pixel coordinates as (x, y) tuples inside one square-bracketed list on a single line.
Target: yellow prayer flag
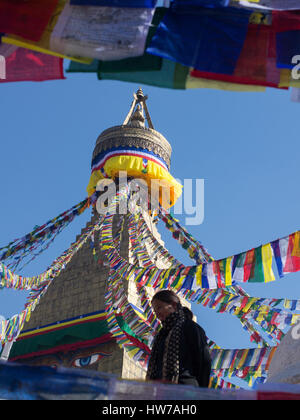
[(180, 281), (286, 79), (199, 276), (296, 247), (242, 359), (267, 257), (249, 303), (228, 276), (260, 317), (28, 314), (258, 372)]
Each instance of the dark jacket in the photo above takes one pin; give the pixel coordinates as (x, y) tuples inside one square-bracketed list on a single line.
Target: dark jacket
[(194, 359)]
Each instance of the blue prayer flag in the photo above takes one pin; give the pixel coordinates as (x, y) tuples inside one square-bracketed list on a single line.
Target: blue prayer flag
[(277, 255), (209, 40), (287, 46)]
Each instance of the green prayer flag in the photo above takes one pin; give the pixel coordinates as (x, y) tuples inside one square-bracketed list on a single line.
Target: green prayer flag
[(257, 274)]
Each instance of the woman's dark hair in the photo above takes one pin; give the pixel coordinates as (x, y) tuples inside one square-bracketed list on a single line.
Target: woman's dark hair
[(168, 296)]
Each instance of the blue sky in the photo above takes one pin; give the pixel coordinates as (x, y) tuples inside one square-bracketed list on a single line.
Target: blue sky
[(244, 145)]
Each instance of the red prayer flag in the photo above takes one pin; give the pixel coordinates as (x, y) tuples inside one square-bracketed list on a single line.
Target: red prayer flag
[(26, 65), (26, 18), (256, 64), (283, 21), (249, 264), (292, 263)]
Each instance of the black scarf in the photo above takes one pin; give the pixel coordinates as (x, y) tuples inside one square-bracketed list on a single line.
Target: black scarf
[(171, 334)]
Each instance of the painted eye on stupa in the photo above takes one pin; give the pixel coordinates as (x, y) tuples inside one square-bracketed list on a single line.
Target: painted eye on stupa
[(87, 361)]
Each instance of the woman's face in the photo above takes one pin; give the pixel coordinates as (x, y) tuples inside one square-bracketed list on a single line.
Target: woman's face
[(163, 309)]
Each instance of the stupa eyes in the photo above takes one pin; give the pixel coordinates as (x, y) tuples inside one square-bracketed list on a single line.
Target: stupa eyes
[(87, 361)]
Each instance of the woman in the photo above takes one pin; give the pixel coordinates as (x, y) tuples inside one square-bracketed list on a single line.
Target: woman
[(180, 353)]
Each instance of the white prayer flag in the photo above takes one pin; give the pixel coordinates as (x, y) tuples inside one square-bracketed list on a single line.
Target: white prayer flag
[(104, 33)]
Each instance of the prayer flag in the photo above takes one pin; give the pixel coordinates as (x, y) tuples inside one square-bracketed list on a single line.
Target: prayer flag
[(76, 67), (204, 279), (249, 261), (26, 65), (105, 33), (287, 27), (257, 272), (209, 40), (280, 249), (43, 44), (283, 21), (146, 62), (238, 267), (26, 18), (171, 75), (287, 46), (292, 262), (266, 252), (256, 64)]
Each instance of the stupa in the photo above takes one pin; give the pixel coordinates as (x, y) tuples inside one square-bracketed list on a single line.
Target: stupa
[(69, 326)]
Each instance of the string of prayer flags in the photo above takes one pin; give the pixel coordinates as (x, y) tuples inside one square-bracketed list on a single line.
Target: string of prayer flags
[(135, 348), (157, 71), (105, 33), (11, 328), (237, 358), (207, 39), (25, 65), (254, 265), (216, 382), (163, 73), (27, 19), (18, 249), (195, 249), (155, 247), (9, 279)]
